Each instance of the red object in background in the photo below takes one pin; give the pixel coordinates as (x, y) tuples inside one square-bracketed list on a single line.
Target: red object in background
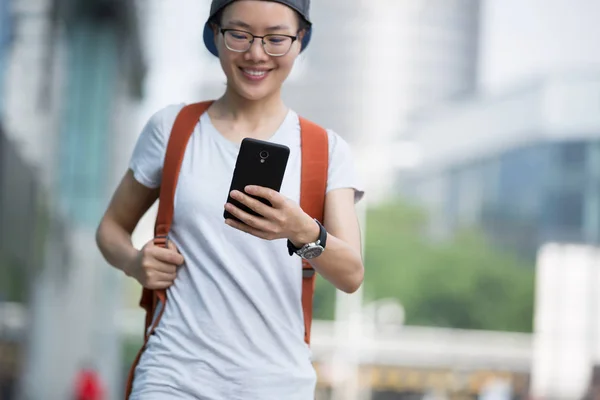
[(88, 386)]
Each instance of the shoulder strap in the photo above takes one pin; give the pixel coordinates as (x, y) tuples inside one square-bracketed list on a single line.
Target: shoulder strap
[(180, 134), (313, 185)]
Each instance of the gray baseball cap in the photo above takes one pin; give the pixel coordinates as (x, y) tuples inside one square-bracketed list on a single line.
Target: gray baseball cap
[(301, 6)]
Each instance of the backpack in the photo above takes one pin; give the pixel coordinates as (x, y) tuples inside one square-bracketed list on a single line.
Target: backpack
[(313, 177)]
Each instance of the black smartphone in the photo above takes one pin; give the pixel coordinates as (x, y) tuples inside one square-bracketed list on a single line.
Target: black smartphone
[(258, 163)]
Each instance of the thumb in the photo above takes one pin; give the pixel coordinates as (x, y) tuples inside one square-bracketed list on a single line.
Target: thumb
[(171, 246)]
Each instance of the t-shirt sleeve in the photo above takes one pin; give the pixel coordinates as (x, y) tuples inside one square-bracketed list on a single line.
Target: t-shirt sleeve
[(342, 168), (149, 151)]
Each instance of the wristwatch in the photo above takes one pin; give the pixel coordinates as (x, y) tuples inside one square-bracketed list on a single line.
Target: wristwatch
[(310, 250)]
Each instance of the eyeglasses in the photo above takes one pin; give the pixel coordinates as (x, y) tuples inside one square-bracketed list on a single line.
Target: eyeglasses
[(275, 45)]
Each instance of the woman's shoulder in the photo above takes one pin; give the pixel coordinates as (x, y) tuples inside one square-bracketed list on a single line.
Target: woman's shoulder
[(335, 140), (164, 117)]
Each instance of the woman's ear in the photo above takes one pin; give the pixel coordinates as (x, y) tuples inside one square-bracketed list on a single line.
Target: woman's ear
[(301, 37)]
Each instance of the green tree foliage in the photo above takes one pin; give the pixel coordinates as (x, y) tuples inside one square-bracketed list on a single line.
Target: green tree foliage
[(461, 283)]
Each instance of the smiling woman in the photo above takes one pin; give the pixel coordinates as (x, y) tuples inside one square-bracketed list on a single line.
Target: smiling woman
[(236, 324), (279, 33)]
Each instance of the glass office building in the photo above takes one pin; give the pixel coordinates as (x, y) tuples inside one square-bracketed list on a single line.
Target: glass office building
[(523, 166)]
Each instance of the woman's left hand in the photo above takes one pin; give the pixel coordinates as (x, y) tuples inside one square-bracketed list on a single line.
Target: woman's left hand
[(284, 220)]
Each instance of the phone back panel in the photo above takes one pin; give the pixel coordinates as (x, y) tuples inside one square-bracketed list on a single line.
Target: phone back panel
[(258, 163)]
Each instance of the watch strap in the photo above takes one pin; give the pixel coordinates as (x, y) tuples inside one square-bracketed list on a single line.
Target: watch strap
[(322, 240)]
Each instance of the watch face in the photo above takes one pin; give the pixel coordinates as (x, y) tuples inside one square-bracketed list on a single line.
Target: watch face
[(312, 252)]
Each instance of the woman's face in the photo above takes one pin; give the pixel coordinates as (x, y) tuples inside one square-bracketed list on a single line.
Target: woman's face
[(254, 74)]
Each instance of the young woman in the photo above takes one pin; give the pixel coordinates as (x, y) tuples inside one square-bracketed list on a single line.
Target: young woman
[(233, 325)]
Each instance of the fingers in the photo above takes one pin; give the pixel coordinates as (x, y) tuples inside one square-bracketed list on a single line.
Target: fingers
[(274, 197), (174, 256), (158, 265), (169, 255), (250, 230), (248, 219), (254, 204), (160, 280)]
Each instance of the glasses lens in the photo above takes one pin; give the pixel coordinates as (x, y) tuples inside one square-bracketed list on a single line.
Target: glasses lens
[(237, 41), (277, 45)]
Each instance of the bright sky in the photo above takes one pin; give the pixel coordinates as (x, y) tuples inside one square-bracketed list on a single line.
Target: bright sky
[(525, 38)]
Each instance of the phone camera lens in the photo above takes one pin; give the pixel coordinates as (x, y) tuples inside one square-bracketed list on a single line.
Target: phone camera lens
[(264, 154)]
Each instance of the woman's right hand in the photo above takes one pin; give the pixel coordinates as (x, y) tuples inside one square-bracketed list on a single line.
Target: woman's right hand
[(155, 267)]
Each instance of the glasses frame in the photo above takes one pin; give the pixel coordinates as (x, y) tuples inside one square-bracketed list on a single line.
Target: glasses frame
[(254, 37)]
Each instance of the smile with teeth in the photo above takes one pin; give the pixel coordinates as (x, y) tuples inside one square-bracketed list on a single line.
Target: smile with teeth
[(255, 74)]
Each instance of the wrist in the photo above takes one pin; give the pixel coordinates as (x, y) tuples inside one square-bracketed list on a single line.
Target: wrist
[(129, 266), (309, 234)]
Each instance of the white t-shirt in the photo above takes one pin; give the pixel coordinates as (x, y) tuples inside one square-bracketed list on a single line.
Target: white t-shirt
[(233, 326)]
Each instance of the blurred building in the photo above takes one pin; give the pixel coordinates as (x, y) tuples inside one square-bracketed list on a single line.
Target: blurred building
[(522, 165), (369, 68), (444, 51), (73, 80), (23, 214), (5, 37), (419, 54), (566, 351), (407, 362)]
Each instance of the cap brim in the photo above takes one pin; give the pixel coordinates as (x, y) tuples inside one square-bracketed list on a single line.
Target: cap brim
[(209, 39)]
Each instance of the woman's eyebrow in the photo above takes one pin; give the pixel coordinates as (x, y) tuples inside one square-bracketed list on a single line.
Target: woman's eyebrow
[(242, 24)]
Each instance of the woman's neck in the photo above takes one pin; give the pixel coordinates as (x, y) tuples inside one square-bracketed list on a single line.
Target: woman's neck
[(236, 117), (250, 113)]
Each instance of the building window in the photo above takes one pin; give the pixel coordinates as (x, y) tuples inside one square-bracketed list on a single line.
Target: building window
[(565, 212), (572, 155)]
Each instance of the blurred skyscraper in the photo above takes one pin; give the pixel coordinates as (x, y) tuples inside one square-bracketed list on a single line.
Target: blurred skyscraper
[(372, 64), (444, 52), (74, 76), (521, 165), (517, 158), (420, 54)]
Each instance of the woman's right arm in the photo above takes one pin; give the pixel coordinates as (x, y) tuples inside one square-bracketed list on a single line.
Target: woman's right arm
[(127, 206), (154, 267)]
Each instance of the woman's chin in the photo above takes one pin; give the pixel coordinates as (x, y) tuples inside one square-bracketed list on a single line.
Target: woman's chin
[(254, 93)]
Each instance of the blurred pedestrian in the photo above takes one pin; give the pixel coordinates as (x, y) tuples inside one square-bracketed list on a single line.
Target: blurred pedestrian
[(88, 385)]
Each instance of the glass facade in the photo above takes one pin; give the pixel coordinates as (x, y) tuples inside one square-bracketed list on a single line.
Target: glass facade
[(527, 196), (85, 148)]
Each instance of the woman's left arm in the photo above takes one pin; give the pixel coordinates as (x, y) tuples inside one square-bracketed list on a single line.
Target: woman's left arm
[(340, 263)]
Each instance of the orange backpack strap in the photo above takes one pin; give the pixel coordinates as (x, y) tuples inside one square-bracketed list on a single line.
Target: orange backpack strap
[(313, 185), (181, 132)]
